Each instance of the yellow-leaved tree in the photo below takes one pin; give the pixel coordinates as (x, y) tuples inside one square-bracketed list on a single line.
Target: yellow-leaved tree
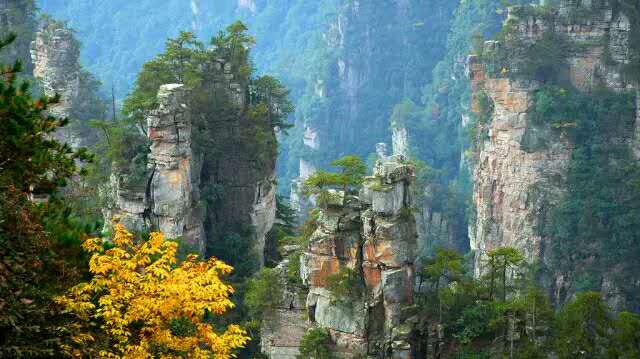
[(143, 303)]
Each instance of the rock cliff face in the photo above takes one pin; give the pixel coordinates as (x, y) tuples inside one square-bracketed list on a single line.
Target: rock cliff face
[(511, 169), (168, 197), (374, 237), (56, 58), (241, 162), (281, 333), (173, 184), (55, 54), (228, 169), (18, 17), (367, 71)]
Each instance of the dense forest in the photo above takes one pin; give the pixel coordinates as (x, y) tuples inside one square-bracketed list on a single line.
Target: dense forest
[(319, 179)]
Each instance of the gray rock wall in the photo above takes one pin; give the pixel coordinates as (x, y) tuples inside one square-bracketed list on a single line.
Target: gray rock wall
[(511, 170), (56, 58), (174, 179)]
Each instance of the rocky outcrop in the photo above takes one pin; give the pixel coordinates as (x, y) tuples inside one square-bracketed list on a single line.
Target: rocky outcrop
[(374, 236), (18, 17), (201, 194), (400, 141), (518, 164), (505, 172), (168, 197), (55, 54), (282, 331), (56, 58), (241, 164), (124, 203), (174, 181)]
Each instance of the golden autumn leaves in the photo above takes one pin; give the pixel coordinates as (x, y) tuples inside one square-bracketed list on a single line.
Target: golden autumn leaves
[(142, 302)]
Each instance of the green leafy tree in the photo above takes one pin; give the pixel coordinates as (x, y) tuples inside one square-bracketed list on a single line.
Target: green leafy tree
[(351, 175), (271, 99), (352, 172), (446, 267), (263, 294), (503, 265), (234, 44), (626, 337), (582, 328), (319, 185), (316, 344)]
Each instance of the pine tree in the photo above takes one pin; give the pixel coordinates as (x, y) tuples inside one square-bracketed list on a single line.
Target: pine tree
[(31, 163)]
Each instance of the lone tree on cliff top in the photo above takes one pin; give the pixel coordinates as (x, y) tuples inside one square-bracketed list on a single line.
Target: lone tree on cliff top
[(350, 177)]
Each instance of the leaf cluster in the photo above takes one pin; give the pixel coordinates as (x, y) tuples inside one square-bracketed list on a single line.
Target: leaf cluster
[(351, 176), (146, 303)]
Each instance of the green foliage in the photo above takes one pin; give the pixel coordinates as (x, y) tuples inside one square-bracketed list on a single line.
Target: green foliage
[(474, 323), (237, 250), (306, 230), (447, 265), (352, 171), (503, 265), (582, 328), (263, 294), (346, 286), (293, 270), (521, 322), (234, 45), (281, 232), (39, 250), (472, 317), (513, 56), (350, 177), (319, 182), (177, 64), (273, 102), (316, 344), (599, 205), (626, 337), (124, 149)]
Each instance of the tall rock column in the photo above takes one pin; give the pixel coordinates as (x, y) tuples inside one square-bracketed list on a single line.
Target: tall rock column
[(167, 198), (56, 59), (372, 236), (55, 54), (173, 192), (239, 163)]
